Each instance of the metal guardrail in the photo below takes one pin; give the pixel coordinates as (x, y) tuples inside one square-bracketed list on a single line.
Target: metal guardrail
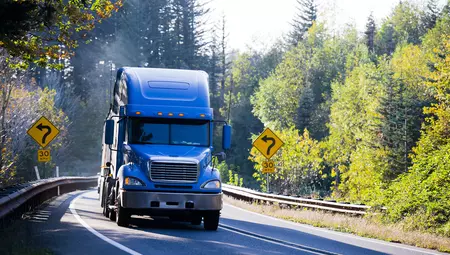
[(21, 198), (252, 195)]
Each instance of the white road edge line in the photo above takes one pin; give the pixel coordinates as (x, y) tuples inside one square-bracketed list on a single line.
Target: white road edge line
[(337, 233), (281, 242), (270, 241), (96, 233)]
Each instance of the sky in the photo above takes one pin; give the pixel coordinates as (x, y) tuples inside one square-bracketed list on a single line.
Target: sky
[(257, 23)]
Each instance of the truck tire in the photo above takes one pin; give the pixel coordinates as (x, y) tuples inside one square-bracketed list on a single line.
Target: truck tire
[(105, 211), (105, 205), (122, 216), (112, 214), (106, 197), (211, 220), (196, 220)]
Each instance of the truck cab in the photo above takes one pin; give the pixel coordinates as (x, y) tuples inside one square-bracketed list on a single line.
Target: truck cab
[(157, 148)]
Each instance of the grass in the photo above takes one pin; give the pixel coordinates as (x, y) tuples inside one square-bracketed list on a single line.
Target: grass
[(368, 226)]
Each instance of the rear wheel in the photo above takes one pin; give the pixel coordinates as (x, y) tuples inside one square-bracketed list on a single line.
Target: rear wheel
[(211, 220)]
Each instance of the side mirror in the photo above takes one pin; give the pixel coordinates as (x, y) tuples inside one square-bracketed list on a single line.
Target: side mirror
[(226, 137), (221, 156), (109, 132)]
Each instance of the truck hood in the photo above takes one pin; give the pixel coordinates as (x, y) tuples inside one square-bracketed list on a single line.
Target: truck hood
[(175, 152)]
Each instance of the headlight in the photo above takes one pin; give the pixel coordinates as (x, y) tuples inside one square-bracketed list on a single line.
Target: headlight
[(131, 181), (212, 185)]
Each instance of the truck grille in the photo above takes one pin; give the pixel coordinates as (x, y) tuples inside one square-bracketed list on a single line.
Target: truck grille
[(173, 172)]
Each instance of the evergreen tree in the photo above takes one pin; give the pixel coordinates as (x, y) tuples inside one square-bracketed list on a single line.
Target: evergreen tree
[(147, 33), (402, 26), (395, 127), (224, 63), (422, 194), (370, 33), (431, 15), (303, 20), (213, 70), (305, 109), (446, 9), (386, 41)]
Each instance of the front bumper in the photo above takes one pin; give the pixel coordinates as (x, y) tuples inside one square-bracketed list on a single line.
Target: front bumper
[(164, 200)]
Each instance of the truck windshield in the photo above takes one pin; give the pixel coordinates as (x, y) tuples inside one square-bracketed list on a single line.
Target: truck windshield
[(168, 131)]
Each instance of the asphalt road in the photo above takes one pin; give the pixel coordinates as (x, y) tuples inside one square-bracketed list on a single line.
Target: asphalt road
[(73, 224)]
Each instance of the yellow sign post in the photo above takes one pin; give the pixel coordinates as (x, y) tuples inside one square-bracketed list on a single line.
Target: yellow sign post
[(44, 155), (43, 132), (268, 143), (268, 167)]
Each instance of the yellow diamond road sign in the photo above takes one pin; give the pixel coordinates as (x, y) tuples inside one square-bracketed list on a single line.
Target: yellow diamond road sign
[(43, 132), (268, 143)]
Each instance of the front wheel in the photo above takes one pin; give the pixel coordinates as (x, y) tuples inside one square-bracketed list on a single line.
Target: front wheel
[(112, 215), (106, 197), (122, 216), (211, 220), (106, 210)]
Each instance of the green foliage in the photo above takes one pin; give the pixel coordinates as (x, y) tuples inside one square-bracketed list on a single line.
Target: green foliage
[(402, 26), (354, 151), (19, 153), (297, 92), (432, 41), (234, 179), (305, 17), (431, 14), (36, 30), (370, 33), (299, 165), (222, 167), (228, 174), (402, 106), (425, 188), (244, 74)]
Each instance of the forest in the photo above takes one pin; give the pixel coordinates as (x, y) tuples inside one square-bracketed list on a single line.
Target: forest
[(364, 115)]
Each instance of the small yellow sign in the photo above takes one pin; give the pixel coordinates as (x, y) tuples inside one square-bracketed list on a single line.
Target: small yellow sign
[(268, 143), (43, 132), (43, 155), (268, 167)]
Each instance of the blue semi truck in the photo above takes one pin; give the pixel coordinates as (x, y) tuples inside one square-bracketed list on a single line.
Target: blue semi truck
[(157, 148)]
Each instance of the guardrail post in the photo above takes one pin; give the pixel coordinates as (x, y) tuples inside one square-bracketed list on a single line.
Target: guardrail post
[(37, 172), (57, 175)]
